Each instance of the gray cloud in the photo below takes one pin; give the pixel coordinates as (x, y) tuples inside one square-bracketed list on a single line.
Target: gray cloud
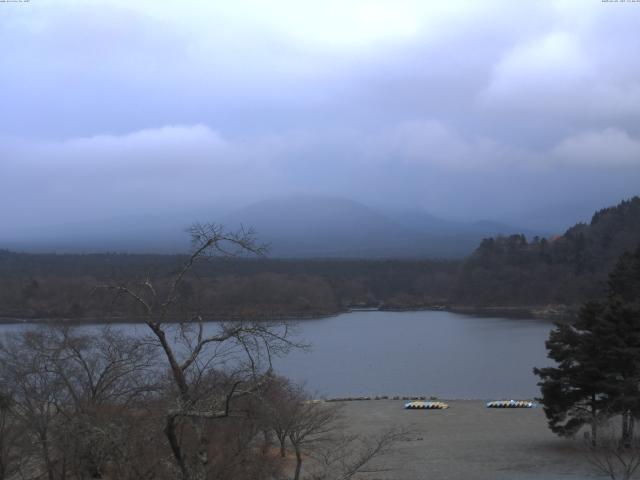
[(609, 148), (526, 113)]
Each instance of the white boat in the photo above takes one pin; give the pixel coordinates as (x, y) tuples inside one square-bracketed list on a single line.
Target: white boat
[(511, 404)]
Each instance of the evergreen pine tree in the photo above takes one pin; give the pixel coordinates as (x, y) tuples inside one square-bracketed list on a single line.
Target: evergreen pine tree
[(598, 360), (575, 392)]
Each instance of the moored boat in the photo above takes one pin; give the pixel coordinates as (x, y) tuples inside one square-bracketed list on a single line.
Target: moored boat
[(420, 405), (511, 404)]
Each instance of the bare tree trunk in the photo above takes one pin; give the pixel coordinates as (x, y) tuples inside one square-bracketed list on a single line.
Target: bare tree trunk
[(176, 370), (283, 450), (183, 387), (203, 449), (170, 432), (267, 441), (594, 422), (298, 462), (44, 443), (626, 429)]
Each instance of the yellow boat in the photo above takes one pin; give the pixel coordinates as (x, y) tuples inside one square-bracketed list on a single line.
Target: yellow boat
[(420, 405)]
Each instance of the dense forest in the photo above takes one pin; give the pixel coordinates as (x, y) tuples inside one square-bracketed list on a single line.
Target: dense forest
[(564, 270), (548, 275)]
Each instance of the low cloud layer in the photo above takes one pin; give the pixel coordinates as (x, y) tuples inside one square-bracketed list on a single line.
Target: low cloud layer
[(427, 164), (529, 114)]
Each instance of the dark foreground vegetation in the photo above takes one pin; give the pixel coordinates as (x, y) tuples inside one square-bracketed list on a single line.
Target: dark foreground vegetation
[(553, 275), (178, 401), (568, 269), (79, 406), (597, 373)]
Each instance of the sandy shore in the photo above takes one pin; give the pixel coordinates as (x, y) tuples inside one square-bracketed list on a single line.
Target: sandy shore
[(470, 441)]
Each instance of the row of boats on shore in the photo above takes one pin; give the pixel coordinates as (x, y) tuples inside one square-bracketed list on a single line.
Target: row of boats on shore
[(428, 405)]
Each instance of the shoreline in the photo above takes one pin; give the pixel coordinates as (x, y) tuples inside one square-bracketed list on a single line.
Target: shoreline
[(410, 398), (542, 312), (470, 441)]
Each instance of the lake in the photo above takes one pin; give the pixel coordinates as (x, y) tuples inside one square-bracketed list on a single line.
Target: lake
[(433, 353), (420, 353)]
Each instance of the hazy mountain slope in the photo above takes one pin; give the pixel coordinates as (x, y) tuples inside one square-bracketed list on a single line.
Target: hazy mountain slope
[(162, 232), (148, 234), (317, 226), (313, 226), (423, 222), (300, 226)]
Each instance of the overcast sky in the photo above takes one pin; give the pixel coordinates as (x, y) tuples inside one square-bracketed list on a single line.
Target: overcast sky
[(521, 111)]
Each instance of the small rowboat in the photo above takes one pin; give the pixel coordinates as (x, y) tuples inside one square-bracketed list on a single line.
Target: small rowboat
[(511, 404), (426, 405)]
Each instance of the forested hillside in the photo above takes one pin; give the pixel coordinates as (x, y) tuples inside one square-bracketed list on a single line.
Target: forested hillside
[(506, 271), (567, 269)]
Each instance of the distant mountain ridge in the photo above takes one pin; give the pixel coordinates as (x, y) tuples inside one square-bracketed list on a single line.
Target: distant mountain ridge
[(318, 226), (426, 223), (296, 226), (313, 226)]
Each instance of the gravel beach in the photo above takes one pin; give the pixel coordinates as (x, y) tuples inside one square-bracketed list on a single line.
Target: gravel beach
[(469, 441)]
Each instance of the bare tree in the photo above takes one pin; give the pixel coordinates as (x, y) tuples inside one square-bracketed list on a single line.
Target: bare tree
[(618, 459), (38, 394), (109, 367), (348, 455), (72, 394), (9, 438), (315, 431), (107, 376), (193, 353), (281, 401)]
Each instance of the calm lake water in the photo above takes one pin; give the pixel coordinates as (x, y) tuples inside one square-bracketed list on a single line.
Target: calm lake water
[(420, 353), (414, 353)]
